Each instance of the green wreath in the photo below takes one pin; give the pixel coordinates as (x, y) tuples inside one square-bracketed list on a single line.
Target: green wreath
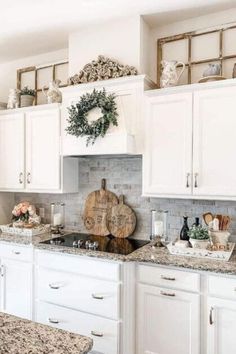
[(78, 115)]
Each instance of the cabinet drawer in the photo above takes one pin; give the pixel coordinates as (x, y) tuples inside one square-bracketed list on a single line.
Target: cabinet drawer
[(96, 296), (80, 265), (222, 287), (172, 278), (104, 332), (13, 251)]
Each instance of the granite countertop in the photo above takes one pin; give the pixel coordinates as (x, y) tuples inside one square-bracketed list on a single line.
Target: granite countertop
[(161, 256), (145, 254), (19, 336)]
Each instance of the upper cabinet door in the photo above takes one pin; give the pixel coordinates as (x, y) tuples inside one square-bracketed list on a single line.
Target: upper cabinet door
[(12, 151), (167, 162), (43, 150), (214, 159)]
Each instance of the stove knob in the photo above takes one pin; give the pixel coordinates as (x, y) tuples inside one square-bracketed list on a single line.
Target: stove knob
[(80, 243), (91, 246), (75, 244), (95, 245), (87, 244), (52, 242)]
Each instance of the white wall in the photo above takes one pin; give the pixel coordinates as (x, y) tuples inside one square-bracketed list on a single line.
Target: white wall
[(193, 24), (8, 70), (119, 39)]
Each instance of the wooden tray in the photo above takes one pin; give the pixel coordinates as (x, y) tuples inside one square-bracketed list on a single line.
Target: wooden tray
[(201, 253)]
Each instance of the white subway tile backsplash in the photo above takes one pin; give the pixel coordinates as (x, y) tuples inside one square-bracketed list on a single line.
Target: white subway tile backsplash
[(124, 176)]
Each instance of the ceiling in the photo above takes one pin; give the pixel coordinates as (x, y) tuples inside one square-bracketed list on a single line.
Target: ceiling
[(30, 27)]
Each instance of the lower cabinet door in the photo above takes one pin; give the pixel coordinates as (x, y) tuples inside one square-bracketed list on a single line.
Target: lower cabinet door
[(221, 326), (168, 321), (104, 332), (16, 288)]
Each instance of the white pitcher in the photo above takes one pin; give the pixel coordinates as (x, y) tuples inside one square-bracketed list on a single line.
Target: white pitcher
[(53, 93), (169, 75)]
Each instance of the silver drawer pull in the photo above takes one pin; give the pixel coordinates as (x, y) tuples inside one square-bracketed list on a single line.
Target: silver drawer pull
[(167, 278), (54, 286), (210, 316), (53, 320), (167, 294), (16, 252), (97, 334), (98, 297)]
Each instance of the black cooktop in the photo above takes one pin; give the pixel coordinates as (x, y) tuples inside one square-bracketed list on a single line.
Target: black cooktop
[(108, 244)]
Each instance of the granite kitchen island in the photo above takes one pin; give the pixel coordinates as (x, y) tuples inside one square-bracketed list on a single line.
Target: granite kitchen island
[(19, 336)]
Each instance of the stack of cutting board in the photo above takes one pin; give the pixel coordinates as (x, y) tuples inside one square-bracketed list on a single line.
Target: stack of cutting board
[(105, 214)]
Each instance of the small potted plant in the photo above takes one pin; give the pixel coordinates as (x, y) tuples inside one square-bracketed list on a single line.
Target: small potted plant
[(198, 237), (27, 96)]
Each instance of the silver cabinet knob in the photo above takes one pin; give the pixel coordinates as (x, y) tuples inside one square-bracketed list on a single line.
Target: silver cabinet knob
[(16, 252), (21, 177), (167, 278), (195, 180), (187, 180), (98, 297), (167, 294), (97, 334), (28, 178), (53, 320), (210, 316), (54, 286)]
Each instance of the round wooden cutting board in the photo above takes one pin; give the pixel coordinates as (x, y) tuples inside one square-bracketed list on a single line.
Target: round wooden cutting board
[(121, 220), (96, 207)]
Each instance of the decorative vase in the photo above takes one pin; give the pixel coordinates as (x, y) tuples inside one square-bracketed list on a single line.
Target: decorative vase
[(169, 75), (185, 229), (53, 93), (26, 100), (200, 244), (13, 99)]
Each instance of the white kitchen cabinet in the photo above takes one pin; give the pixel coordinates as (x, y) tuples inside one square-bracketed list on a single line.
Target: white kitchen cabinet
[(214, 142), (168, 321), (30, 152), (12, 151), (43, 150), (221, 326), (190, 142), (16, 280), (87, 296), (167, 162)]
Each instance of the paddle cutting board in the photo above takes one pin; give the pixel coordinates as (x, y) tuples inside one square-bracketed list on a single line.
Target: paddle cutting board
[(95, 213), (121, 220)]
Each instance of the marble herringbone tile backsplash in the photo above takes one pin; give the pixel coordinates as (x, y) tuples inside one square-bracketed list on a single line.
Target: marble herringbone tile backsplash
[(124, 176)]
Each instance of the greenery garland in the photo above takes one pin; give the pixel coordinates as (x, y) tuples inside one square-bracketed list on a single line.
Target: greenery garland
[(78, 115)]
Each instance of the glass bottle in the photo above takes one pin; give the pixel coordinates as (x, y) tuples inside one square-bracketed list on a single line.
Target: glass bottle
[(196, 223), (184, 231)]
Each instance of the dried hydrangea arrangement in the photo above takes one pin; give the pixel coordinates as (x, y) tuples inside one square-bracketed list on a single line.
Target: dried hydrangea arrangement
[(103, 68)]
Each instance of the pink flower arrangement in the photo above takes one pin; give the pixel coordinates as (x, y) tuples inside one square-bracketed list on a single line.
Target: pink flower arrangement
[(23, 211)]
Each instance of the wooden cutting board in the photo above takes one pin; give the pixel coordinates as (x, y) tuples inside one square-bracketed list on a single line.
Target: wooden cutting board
[(95, 213), (121, 220)]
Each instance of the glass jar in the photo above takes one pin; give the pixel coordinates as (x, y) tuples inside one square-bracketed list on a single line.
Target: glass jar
[(57, 216), (159, 221)]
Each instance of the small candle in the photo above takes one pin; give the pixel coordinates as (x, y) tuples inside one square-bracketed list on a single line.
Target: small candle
[(158, 228), (57, 219)]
